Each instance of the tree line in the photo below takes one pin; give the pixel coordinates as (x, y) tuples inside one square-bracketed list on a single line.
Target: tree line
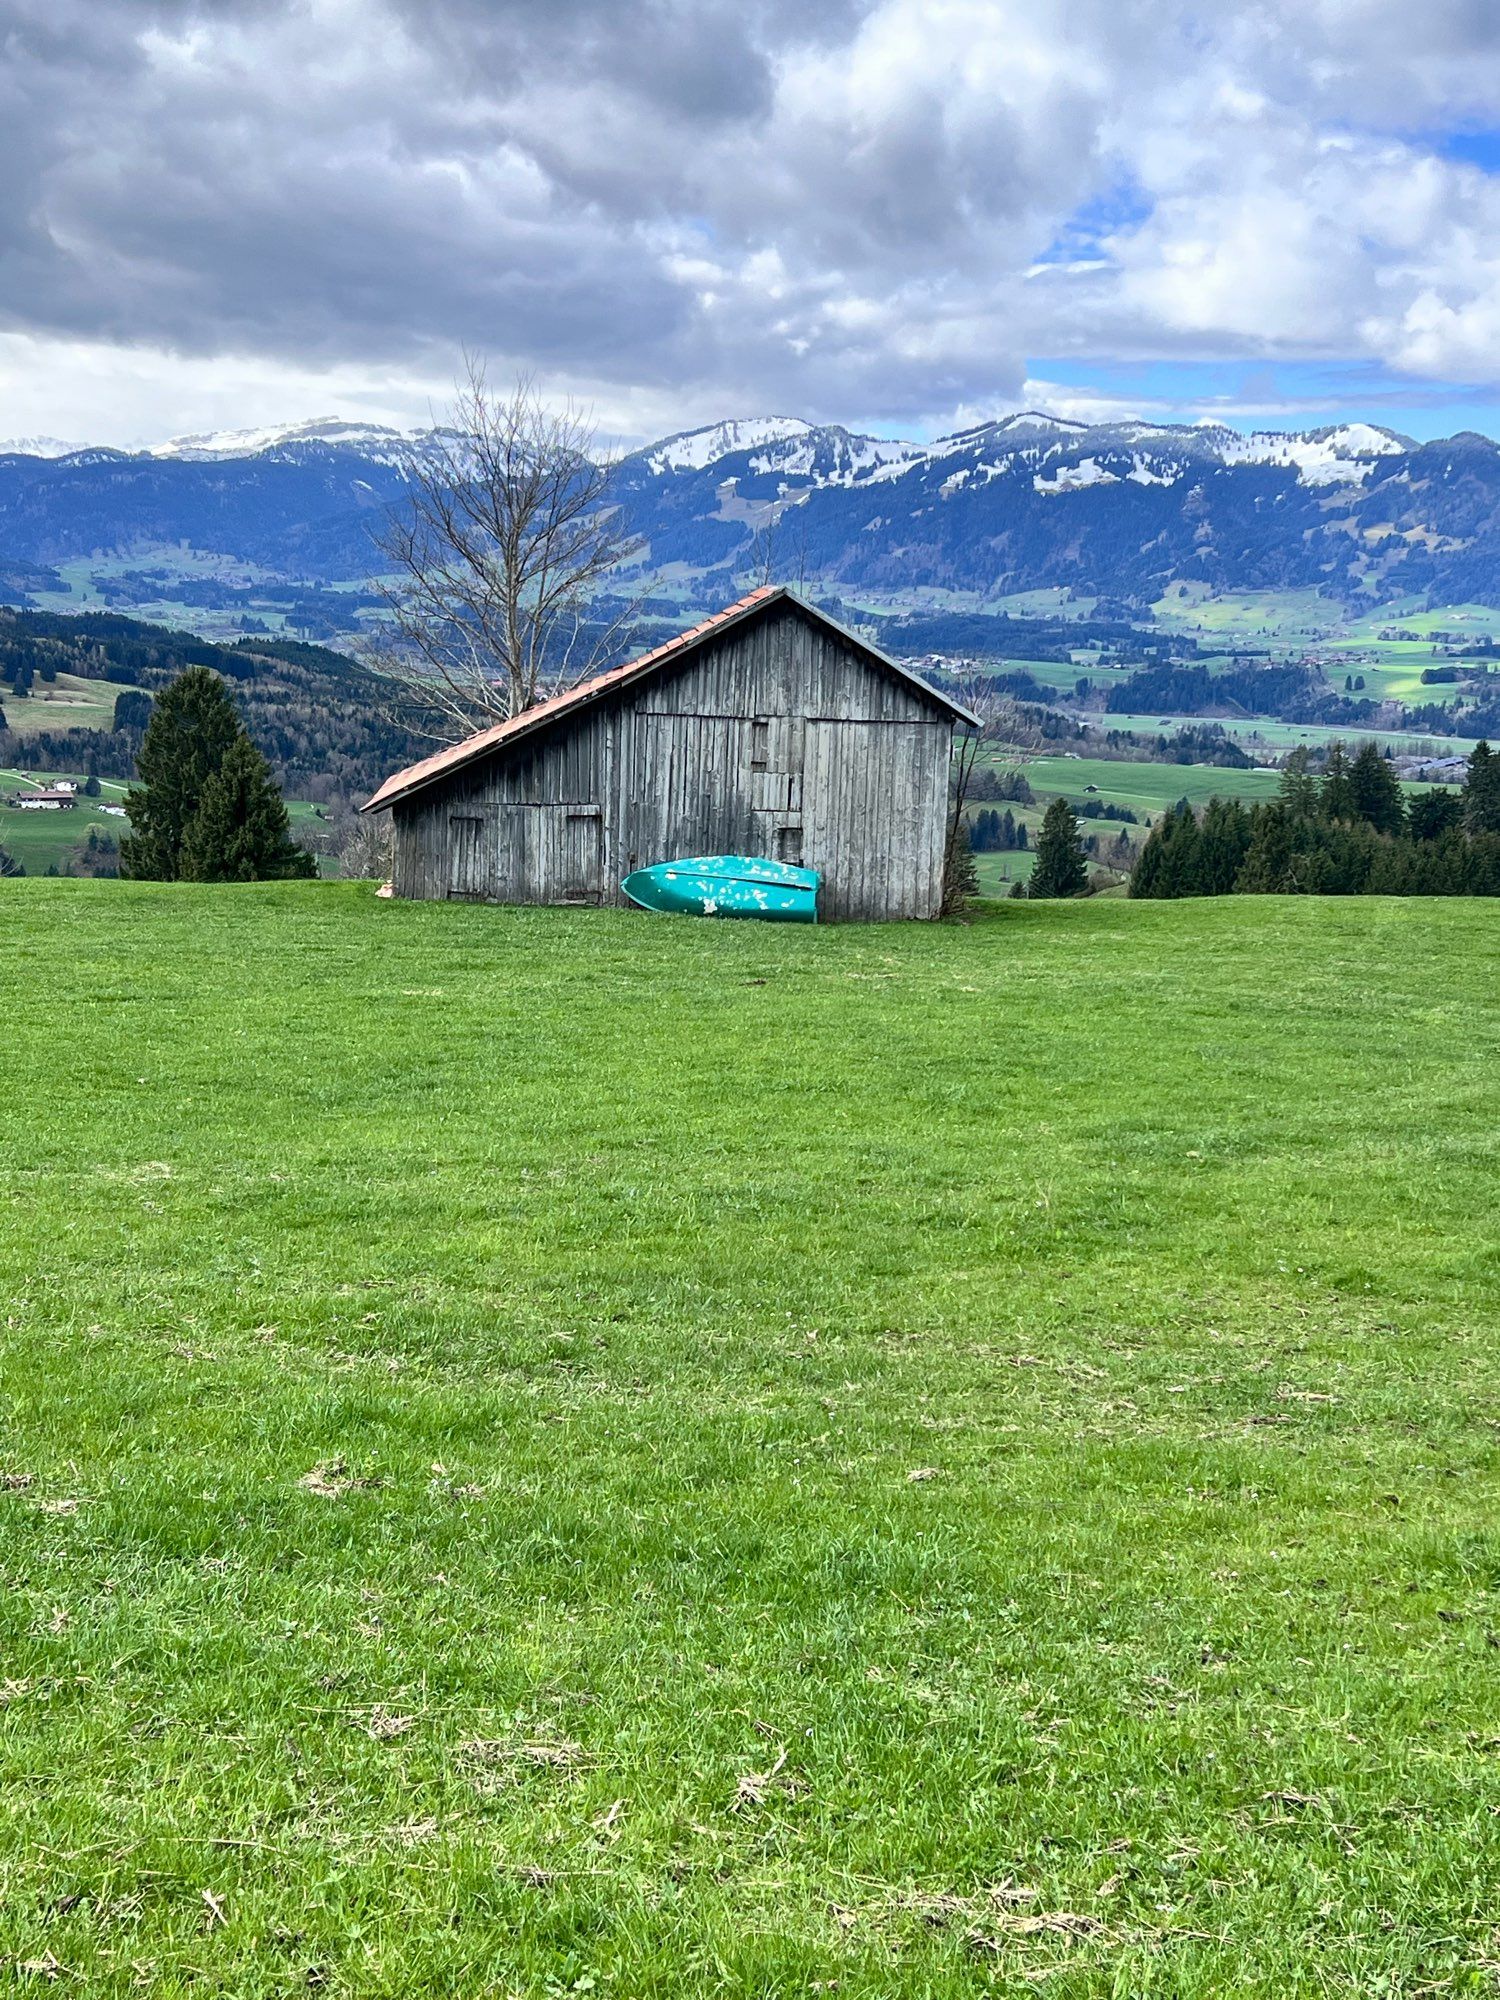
[(1350, 832)]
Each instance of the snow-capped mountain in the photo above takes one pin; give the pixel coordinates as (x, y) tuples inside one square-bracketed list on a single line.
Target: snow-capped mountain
[(690, 451), (1024, 501), (331, 432), (38, 447)]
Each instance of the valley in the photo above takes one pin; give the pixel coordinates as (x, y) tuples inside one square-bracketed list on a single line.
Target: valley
[(1008, 562)]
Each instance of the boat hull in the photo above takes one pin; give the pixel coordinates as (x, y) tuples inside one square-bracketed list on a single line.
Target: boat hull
[(728, 885)]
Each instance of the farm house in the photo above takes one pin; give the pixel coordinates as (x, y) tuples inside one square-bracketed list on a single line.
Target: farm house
[(767, 730)]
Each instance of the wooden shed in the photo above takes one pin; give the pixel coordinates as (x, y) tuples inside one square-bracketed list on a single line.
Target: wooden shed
[(767, 730)]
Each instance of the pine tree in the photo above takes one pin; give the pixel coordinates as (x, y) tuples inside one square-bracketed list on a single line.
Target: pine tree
[(1430, 814), (1059, 869), (1376, 791), (1297, 794), (187, 739), (1336, 798), (132, 709), (240, 832), (91, 786), (1269, 864), (1482, 791), (1224, 841)]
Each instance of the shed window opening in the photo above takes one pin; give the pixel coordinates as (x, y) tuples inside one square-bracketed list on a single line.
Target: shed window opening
[(760, 744)]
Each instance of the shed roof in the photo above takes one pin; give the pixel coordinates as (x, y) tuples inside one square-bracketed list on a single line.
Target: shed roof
[(429, 769)]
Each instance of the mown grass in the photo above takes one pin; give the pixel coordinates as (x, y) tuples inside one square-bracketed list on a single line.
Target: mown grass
[(557, 1452)]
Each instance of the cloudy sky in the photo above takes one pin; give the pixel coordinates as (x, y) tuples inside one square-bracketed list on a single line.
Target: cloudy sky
[(898, 214)]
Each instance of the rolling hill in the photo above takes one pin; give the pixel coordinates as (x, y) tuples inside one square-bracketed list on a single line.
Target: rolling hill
[(323, 720)]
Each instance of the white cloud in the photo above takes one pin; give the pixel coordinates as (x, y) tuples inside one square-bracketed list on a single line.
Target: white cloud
[(212, 212)]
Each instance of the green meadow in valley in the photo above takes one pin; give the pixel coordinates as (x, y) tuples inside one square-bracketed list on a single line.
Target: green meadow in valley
[(561, 1452)]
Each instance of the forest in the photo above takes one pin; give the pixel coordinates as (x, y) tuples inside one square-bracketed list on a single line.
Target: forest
[(1348, 831), (323, 720)]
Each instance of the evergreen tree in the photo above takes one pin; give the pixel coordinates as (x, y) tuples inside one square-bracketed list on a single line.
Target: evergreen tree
[(1149, 878), (1376, 791), (189, 735), (1297, 794), (240, 832), (1431, 814), (91, 786), (1482, 791), (1059, 869), (9, 864), (1269, 867), (1336, 799), (1224, 841), (132, 709), (3, 723)]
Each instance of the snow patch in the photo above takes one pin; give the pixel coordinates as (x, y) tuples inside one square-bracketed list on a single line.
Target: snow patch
[(691, 451), (366, 438), (1087, 472), (1343, 454)]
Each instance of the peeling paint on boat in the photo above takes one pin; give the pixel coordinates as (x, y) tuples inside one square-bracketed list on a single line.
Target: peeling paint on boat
[(728, 885)]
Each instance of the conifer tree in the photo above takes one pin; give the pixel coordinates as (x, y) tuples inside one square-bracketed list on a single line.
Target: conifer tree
[(1482, 791), (1297, 793), (1336, 798), (1223, 842), (1376, 791), (1268, 868), (240, 832), (188, 737), (1059, 869), (1431, 814)]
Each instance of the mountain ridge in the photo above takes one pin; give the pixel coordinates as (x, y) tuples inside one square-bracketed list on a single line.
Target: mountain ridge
[(1019, 502)]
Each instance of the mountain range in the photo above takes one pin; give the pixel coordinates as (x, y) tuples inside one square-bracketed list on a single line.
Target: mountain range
[(1029, 501)]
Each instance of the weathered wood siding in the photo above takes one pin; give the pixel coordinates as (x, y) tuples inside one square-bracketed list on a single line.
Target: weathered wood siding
[(776, 739)]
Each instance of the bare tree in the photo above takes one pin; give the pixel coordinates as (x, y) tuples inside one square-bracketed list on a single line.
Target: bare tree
[(506, 539), (960, 882)]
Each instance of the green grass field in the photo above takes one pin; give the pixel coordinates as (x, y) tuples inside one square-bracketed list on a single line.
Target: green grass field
[(1151, 788), (560, 1453), (1272, 738), (999, 872), (43, 840), (39, 840), (68, 702), (1148, 787)]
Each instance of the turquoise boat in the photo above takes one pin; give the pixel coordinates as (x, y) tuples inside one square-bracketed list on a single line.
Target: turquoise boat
[(728, 885)]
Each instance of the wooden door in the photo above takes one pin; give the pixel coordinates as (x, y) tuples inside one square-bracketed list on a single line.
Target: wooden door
[(550, 854), (576, 861), (466, 870), (874, 796)]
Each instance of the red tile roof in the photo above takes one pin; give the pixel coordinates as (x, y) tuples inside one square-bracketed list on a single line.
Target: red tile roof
[(417, 775)]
